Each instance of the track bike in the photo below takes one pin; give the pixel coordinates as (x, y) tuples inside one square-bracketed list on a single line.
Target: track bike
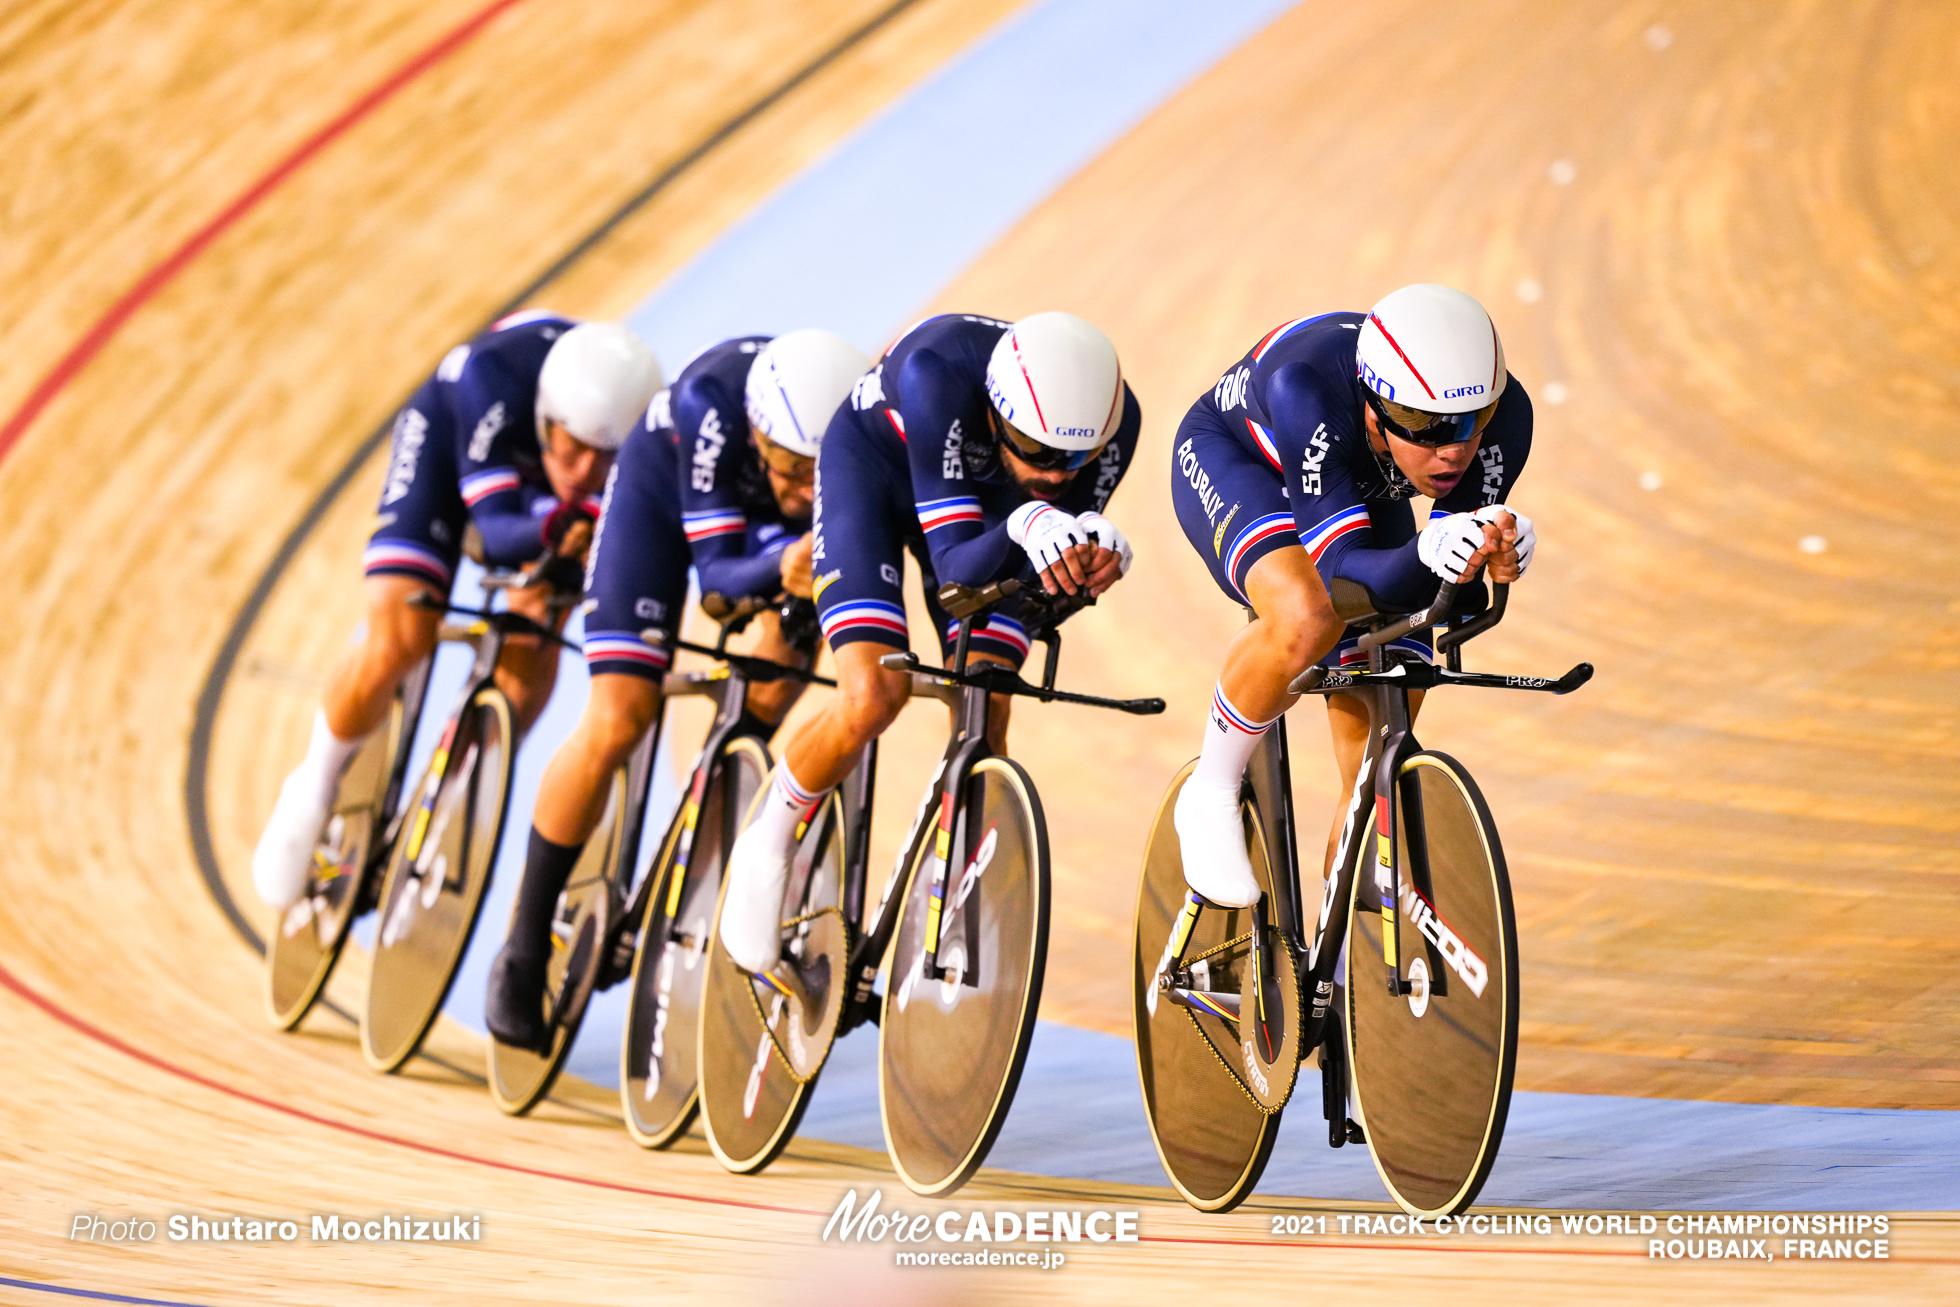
[(608, 926), (1421, 1038), (962, 925), (439, 866)]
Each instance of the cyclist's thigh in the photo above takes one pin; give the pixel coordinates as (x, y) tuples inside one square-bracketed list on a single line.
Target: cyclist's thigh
[(420, 529), (636, 575), (864, 493), (1230, 502)]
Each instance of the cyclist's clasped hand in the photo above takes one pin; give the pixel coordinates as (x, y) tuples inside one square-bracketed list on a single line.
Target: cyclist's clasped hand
[(567, 529), (1071, 553), (1455, 547), (797, 579)]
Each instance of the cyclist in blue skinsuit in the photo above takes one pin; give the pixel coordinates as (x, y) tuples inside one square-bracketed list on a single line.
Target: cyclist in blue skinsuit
[(1298, 465), (512, 437), (986, 450), (720, 472)]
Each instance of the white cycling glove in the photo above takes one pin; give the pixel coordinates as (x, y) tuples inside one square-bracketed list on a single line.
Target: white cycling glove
[(1527, 538), (1109, 538), (1446, 544), (1046, 532)]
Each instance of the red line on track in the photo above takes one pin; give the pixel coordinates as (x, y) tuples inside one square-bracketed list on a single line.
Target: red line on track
[(103, 1037), (146, 288)]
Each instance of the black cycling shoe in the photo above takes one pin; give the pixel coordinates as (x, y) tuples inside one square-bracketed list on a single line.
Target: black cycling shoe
[(514, 1008)]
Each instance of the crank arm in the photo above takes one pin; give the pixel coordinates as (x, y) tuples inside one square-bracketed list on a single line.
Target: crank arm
[(1210, 1002)]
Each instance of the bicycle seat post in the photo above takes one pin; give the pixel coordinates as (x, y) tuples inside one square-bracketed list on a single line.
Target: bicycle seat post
[(965, 638)]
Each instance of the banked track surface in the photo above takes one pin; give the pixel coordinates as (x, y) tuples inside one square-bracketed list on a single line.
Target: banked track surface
[(109, 921)]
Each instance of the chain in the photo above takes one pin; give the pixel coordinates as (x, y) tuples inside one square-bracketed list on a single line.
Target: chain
[(1211, 1044), (775, 1042)]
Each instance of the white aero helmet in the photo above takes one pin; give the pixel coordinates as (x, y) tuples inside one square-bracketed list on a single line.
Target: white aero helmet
[(1430, 364), (796, 383), (1056, 382), (597, 380)]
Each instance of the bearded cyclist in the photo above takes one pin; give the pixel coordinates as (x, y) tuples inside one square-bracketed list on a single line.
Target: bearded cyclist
[(1298, 466), (987, 450), (513, 436), (720, 473)]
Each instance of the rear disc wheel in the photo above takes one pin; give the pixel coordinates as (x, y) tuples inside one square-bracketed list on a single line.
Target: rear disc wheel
[(761, 1050), (1213, 1134)]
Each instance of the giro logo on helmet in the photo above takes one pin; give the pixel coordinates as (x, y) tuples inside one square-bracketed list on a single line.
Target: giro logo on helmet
[(1374, 380), (1464, 390)]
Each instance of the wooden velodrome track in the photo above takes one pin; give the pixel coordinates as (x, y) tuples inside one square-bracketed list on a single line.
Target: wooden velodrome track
[(1735, 852)]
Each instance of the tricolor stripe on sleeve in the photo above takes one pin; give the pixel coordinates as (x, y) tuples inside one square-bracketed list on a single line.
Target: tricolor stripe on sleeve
[(1320, 537), (864, 616), (1264, 528), (713, 522), (935, 513), (624, 646), (399, 556), (1001, 630), (482, 485)]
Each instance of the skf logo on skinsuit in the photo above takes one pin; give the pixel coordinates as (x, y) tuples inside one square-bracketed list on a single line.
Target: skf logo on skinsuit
[(411, 429), (952, 460), (707, 451), (1310, 460), (1109, 470), (1231, 389), (1218, 536), (1208, 497), (1463, 390), (1492, 457), (1374, 380), (486, 431)]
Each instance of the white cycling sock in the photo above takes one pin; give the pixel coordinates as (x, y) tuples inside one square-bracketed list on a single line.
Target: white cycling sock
[(788, 806), (327, 756), (1230, 738)]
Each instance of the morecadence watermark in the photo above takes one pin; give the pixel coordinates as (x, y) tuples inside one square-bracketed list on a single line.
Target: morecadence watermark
[(861, 1220)]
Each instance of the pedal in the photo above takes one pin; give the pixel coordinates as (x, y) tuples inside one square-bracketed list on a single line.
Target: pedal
[(1355, 1134)]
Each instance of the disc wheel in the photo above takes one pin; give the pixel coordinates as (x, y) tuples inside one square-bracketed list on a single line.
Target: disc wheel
[(952, 1047), (520, 1077), (659, 1083), (307, 941), (1433, 1068), (437, 874), (1213, 1133), (760, 1050)]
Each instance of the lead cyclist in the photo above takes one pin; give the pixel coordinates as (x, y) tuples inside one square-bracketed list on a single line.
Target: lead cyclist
[(1298, 466)]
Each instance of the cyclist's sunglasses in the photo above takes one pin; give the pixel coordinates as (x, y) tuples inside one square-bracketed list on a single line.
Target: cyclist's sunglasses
[(1042, 458), (787, 464), (1430, 430)]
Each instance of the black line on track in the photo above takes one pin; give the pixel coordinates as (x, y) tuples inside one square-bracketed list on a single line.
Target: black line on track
[(211, 696)]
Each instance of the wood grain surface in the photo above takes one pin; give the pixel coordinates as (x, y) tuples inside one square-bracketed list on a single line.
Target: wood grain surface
[(1727, 232)]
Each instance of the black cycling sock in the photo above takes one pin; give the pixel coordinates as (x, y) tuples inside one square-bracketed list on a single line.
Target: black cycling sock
[(750, 724), (547, 867)]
